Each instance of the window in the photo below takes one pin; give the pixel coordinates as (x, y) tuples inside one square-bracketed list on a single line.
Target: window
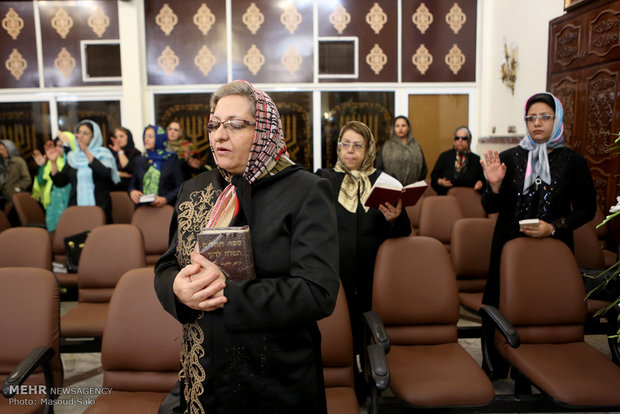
[(101, 60), (338, 57)]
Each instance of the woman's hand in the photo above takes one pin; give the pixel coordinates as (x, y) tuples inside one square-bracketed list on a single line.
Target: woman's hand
[(200, 285), (391, 212), (135, 196), (86, 152), (39, 158), (478, 185), (444, 182), (494, 169), (114, 145), (159, 201), (50, 151), (540, 230)]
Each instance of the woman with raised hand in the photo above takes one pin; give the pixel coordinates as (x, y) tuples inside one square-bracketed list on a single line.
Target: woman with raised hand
[(253, 344), (91, 170), (124, 151)]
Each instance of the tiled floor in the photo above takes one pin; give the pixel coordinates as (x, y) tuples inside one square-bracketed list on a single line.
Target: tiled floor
[(83, 370)]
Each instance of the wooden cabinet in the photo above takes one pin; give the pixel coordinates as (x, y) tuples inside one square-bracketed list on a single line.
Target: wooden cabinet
[(584, 73)]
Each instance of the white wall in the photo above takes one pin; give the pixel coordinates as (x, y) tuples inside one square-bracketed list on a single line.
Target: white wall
[(524, 23)]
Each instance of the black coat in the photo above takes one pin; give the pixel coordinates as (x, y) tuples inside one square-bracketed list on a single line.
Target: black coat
[(262, 351), (444, 168), (169, 182), (568, 203)]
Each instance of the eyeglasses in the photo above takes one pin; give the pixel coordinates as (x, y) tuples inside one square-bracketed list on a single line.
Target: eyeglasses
[(532, 118), (346, 145), (456, 138), (229, 125)]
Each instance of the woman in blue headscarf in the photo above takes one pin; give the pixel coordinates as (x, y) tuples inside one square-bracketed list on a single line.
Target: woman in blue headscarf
[(156, 173), (539, 179), (91, 169)]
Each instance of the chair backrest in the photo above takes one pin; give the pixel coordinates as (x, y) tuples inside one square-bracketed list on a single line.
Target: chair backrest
[(154, 223), (414, 291), (470, 251), (588, 250), (30, 305), (73, 220), (28, 209), (141, 342), (337, 345), (4, 222), (437, 216), (413, 212), (109, 252), (26, 247), (122, 207), (541, 291), (470, 201), (601, 232)]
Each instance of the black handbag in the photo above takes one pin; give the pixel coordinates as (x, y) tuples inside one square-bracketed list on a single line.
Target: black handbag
[(602, 284), (73, 249)]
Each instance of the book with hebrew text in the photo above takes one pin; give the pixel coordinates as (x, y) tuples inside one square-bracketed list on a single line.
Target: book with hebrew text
[(230, 248)]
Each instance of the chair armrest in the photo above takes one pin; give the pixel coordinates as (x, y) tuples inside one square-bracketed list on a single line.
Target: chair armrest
[(38, 356), (377, 330), (378, 366), (498, 321)]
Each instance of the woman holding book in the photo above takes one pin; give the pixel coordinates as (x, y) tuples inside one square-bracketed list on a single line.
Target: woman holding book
[(539, 179), (252, 344), (458, 167), (157, 172), (401, 156), (361, 229)]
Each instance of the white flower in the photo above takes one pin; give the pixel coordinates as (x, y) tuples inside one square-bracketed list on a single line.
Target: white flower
[(615, 208)]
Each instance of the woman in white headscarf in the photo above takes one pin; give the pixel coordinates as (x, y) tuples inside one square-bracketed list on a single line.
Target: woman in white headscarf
[(539, 179), (252, 345), (91, 169)]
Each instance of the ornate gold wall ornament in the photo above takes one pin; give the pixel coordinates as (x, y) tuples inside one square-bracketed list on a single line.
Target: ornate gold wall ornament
[(456, 18), (204, 60), (12, 23), (422, 18), (98, 21), (291, 59), (509, 67), (253, 18), (340, 18), (168, 60), (422, 59), (291, 18), (64, 62), (376, 18), (455, 59), (376, 59), (254, 59), (16, 64), (204, 19), (62, 22), (166, 19)]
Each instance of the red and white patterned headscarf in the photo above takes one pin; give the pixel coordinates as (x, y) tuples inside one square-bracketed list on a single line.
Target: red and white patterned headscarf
[(266, 153)]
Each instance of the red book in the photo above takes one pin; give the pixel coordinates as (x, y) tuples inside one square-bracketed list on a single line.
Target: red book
[(388, 189), (230, 248)]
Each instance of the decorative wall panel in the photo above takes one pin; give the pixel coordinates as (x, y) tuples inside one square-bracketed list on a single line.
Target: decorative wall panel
[(64, 24), (439, 41), (185, 42), (272, 41), (18, 47), (376, 26)]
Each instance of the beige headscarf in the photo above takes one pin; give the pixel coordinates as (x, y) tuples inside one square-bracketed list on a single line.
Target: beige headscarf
[(356, 185)]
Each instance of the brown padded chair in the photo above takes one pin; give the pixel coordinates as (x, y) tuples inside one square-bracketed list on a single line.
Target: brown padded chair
[(541, 295), (470, 250), (28, 210), (30, 305), (141, 348), (122, 207), (437, 216), (154, 223), (470, 201), (413, 212), (109, 252), (338, 359), (415, 296), (73, 220), (26, 247), (4, 222)]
